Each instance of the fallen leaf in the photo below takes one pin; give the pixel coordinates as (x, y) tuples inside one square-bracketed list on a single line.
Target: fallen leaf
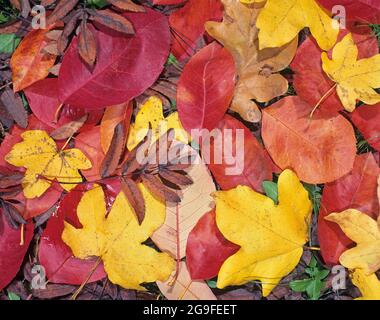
[(117, 239), (180, 219), (311, 82), (166, 2), (62, 8), (367, 120), (205, 88), (257, 70), (11, 252), (365, 11), (363, 230), (112, 20), (279, 22), (188, 23), (55, 256), (39, 154), (112, 116), (87, 46), (68, 129), (181, 287), (271, 236), (319, 150), (14, 106), (355, 79), (29, 63), (356, 190), (251, 168), (43, 100), (369, 286), (151, 112), (134, 65), (127, 5), (207, 249)]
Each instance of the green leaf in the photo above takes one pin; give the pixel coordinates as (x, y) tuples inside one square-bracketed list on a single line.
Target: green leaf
[(299, 285), (97, 3), (8, 42), (271, 190), (211, 283), (13, 296), (172, 60)]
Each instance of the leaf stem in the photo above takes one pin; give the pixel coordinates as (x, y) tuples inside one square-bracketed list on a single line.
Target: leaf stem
[(326, 95)]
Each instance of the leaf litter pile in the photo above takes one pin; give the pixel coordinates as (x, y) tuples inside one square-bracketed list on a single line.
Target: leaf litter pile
[(95, 98)]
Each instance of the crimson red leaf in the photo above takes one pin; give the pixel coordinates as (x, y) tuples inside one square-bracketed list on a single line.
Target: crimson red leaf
[(187, 25), (55, 256), (256, 166), (311, 82), (206, 87), (367, 11), (356, 190), (367, 120), (43, 100), (207, 249), (125, 67), (11, 252)]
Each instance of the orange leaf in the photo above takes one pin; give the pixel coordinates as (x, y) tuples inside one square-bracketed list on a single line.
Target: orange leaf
[(29, 62)]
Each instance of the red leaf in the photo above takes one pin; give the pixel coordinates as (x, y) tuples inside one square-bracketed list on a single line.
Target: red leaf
[(188, 23), (89, 142), (207, 249), (356, 190), (11, 253), (311, 82), (319, 151), (125, 67), (367, 120), (43, 100), (256, 167), (205, 88), (56, 256), (367, 11)]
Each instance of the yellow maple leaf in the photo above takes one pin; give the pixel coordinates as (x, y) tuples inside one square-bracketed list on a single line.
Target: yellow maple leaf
[(271, 236), (365, 231), (369, 286), (117, 238), (151, 112), (356, 79), (281, 20), (39, 154)]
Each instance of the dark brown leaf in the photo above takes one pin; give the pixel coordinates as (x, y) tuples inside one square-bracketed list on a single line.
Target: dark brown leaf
[(135, 197), (177, 178), (54, 34), (68, 129), (115, 151), (87, 45), (42, 218), (12, 215), (13, 104), (25, 8), (157, 188), (69, 28), (61, 10), (53, 291), (10, 180), (127, 5), (51, 48), (112, 20)]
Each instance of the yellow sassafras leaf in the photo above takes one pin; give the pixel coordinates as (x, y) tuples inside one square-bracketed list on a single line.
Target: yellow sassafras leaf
[(281, 20), (117, 238), (271, 236), (369, 286), (366, 233), (151, 112), (39, 154), (356, 79)]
